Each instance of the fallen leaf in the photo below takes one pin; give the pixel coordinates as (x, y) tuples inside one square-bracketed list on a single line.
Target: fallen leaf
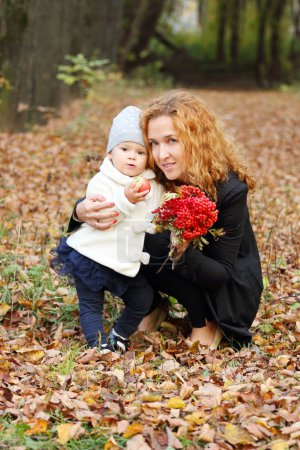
[(169, 365), (236, 435), (186, 391), (167, 386), (111, 444), (207, 433), (151, 398), (67, 431), (279, 445), (61, 291), (137, 443), (173, 442), (122, 426), (131, 430), (196, 418), (4, 307), (38, 427), (175, 403)]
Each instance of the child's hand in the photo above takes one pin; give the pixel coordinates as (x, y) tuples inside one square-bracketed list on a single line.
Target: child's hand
[(132, 192)]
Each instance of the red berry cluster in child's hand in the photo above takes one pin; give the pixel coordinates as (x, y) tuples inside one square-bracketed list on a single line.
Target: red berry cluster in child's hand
[(189, 215)]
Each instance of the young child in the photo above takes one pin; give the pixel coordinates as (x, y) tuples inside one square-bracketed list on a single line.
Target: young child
[(110, 260)]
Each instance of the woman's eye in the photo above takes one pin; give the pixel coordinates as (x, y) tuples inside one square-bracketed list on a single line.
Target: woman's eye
[(153, 143), (172, 140)]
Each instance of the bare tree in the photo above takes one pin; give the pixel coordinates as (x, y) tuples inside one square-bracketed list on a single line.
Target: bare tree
[(221, 29), (275, 70), (294, 55), (263, 9), (144, 17), (235, 32), (46, 31)]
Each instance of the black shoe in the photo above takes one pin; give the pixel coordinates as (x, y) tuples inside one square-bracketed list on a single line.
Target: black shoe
[(117, 343)]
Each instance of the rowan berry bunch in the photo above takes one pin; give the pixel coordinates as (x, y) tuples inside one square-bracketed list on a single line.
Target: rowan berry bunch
[(189, 214)]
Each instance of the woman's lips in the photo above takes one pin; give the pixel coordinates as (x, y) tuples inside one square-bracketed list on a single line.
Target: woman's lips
[(167, 166)]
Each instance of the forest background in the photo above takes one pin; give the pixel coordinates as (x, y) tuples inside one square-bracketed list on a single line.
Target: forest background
[(243, 58)]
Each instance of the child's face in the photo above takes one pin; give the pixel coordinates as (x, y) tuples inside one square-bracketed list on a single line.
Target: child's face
[(129, 158)]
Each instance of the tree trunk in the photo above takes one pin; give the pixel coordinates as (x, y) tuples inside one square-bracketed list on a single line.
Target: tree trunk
[(221, 27), (141, 30), (52, 29), (263, 8), (294, 54), (275, 71), (235, 33), (202, 13)]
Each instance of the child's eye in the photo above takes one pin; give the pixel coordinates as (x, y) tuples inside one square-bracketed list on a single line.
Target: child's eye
[(142, 153), (124, 149)]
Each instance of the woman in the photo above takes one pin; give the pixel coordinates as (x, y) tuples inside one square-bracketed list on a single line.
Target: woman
[(221, 285)]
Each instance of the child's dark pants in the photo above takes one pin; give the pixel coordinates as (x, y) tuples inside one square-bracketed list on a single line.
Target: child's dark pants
[(137, 299)]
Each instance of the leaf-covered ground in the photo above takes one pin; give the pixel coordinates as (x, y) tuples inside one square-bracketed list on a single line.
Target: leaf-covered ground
[(57, 394)]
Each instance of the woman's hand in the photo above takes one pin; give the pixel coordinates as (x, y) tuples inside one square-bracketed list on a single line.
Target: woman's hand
[(180, 248), (92, 211)]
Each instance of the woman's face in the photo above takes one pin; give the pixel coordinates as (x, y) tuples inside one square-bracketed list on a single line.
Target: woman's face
[(167, 150)]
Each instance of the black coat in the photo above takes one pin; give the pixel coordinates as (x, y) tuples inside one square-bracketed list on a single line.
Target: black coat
[(225, 275)]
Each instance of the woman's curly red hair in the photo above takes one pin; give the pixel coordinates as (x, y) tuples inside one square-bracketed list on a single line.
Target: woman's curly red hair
[(210, 152)]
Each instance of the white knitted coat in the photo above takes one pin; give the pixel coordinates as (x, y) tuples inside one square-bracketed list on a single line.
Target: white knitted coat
[(121, 246)]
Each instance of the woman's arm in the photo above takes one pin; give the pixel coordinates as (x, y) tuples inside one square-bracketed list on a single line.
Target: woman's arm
[(213, 267), (95, 209), (91, 210)]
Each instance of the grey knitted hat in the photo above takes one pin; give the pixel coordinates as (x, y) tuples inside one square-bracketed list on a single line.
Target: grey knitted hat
[(126, 127)]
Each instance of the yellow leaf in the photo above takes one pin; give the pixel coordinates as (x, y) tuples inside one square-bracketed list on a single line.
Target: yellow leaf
[(258, 340), (196, 418), (167, 386), (34, 355), (279, 445), (67, 431), (236, 435), (151, 398), (26, 303), (63, 432), (175, 403), (39, 426), (133, 429), (4, 307), (111, 444)]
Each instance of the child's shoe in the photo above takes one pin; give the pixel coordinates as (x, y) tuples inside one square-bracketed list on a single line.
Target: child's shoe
[(117, 343), (103, 349)]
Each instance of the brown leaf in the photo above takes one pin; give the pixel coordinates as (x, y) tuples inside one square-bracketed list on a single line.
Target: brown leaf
[(137, 443), (207, 433), (173, 442)]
